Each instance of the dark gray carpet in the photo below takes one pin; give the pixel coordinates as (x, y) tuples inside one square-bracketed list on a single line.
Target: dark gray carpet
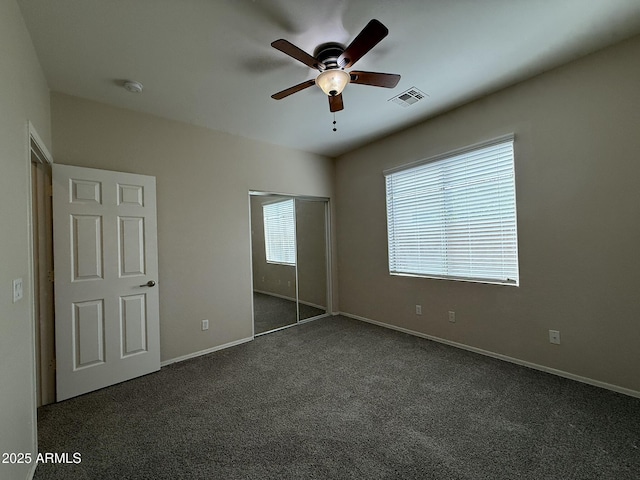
[(272, 312), (340, 399)]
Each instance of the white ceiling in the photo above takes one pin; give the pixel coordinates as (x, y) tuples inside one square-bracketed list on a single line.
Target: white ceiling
[(210, 63)]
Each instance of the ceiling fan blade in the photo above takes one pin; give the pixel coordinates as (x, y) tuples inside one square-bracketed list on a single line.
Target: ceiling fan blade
[(386, 80), (292, 90), (335, 103), (290, 49), (368, 38)]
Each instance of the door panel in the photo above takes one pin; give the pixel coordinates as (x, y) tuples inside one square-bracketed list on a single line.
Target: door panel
[(133, 319), (131, 195), (131, 253), (274, 284), (85, 191), (86, 247), (105, 249), (312, 257), (88, 323)]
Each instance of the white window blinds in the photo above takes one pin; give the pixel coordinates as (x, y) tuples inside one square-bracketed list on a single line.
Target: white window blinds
[(454, 216), (280, 232)]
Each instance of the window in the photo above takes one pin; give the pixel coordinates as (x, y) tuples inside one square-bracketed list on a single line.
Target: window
[(280, 232), (454, 216)]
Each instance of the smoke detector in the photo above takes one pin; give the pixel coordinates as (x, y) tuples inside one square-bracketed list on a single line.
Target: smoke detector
[(132, 86)]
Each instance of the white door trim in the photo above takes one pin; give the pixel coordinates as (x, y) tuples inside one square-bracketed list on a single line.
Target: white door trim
[(34, 144)]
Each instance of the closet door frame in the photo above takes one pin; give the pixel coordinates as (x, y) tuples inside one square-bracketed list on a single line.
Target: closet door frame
[(327, 241)]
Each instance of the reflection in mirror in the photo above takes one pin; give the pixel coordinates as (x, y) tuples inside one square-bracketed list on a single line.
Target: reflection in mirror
[(273, 261), (312, 258), (289, 260)]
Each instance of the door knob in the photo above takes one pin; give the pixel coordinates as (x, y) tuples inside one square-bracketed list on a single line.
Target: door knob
[(150, 283)]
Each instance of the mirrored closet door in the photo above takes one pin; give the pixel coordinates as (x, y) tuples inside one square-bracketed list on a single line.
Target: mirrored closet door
[(289, 260)]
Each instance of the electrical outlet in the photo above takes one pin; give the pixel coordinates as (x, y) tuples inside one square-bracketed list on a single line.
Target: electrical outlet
[(554, 337), (205, 325), (418, 309), (452, 316), (17, 290)]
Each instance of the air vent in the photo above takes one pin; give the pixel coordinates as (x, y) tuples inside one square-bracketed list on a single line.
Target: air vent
[(409, 97)]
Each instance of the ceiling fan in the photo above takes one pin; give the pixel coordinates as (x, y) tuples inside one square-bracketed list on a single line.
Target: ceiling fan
[(332, 58)]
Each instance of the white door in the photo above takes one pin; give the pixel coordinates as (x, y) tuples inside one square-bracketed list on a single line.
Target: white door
[(106, 266)]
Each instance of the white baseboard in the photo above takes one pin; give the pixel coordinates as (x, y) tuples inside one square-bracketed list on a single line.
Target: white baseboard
[(499, 356), (205, 352)]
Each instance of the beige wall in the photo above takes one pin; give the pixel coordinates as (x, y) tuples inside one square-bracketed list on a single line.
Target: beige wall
[(577, 168), (24, 97), (203, 181)]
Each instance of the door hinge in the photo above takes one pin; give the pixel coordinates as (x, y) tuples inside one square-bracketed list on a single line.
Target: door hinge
[(52, 364), (52, 276)]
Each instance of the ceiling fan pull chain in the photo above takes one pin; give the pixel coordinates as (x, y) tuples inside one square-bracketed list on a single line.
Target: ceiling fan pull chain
[(334, 122)]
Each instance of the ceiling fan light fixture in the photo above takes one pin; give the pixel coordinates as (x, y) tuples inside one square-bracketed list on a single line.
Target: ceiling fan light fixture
[(333, 81)]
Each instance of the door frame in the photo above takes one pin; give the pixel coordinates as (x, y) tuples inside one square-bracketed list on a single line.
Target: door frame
[(37, 148), (328, 251), (43, 291)]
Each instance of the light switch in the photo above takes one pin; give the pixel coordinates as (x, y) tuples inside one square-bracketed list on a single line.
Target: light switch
[(17, 290)]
